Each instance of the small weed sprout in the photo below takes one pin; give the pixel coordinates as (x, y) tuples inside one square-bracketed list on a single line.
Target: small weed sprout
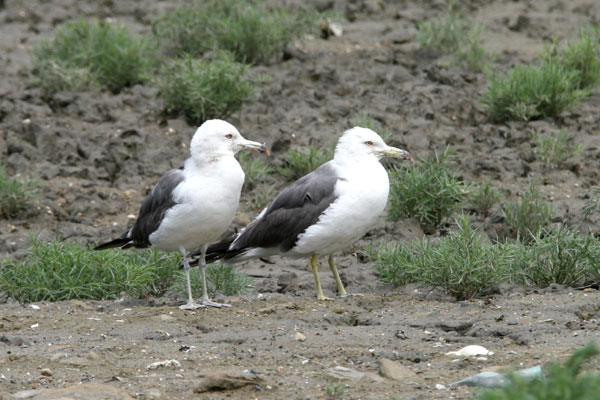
[(528, 92), (561, 382), (16, 195), (428, 191), (221, 278), (582, 56), (203, 89), (451, 34), (261, 198), (64, 271), (86, 54), (463, 263), (366, 120), (251, 31), (484, 198), (553, 151), (255, 169), (556, 256), (529, 215), (335, 391), (301, 162), (592, 205)]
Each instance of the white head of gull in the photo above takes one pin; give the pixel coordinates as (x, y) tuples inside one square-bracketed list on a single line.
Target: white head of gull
[(322, 212), (191, 206)]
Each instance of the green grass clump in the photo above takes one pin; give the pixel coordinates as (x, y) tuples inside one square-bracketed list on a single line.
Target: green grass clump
[(221, 278), (562, 382), (255, 169), (366, 120), (484, 198), (528, 92), (251, 31), (64, 271), (529, 215), (204, 89), (558, 256), (463, 263), (335, 391), (427, 190), (592, 204), (553, 151), (301, 162), (16, 195), (452, 34), (582, 56), (89, 53)]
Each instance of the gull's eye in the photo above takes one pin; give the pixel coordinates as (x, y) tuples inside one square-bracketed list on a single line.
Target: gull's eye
[(229, 136), (368, 143)]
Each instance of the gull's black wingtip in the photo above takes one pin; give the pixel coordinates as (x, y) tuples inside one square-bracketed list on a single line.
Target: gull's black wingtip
[(120, 242)]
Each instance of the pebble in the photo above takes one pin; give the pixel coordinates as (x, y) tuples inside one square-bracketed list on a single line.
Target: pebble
[(227, 380), (166, 363), (46, 372), (299, 337), (395, 371), (471, 350), (440, 386), (495, 379)]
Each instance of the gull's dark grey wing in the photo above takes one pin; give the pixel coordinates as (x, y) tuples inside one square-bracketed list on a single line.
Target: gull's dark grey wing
[(156, 204), (296, 208), (153, 210)]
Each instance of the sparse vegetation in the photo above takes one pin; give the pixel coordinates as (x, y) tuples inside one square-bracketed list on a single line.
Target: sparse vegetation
[(484, 198), (562, 382), (301, 162), (221, 278), (528, 92), (592, 204), (558, 256), (463, 263), (251, 31), (16, 194), (428, 191), (65, 270), (261, 198), (366, 120), (204, 89), (255, 169), (529, 215), (450, 33), (335, 391), (92, 53), (582, 56), (553, 151)]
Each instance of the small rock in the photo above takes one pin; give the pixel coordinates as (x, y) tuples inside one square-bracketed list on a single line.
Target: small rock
[(153, 394), (299, 337), (395, 371), (166, 363), (340, 372), (46, 372), (166, 318), (495, 379), (87, 391), (227, 380), (471, 350), (439, 386)]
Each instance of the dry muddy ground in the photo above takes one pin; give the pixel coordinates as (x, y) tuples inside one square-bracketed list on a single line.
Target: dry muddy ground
[(97, 155)]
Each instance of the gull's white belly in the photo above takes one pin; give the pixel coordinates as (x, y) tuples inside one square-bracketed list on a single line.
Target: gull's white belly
[(206, 206), (362, 199)]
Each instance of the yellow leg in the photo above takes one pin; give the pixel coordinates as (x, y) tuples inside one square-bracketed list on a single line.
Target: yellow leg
[(340, 286), (315, 270)]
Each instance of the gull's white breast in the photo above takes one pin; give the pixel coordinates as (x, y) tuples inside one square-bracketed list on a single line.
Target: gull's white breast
[(207, 201), (362, 197)]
